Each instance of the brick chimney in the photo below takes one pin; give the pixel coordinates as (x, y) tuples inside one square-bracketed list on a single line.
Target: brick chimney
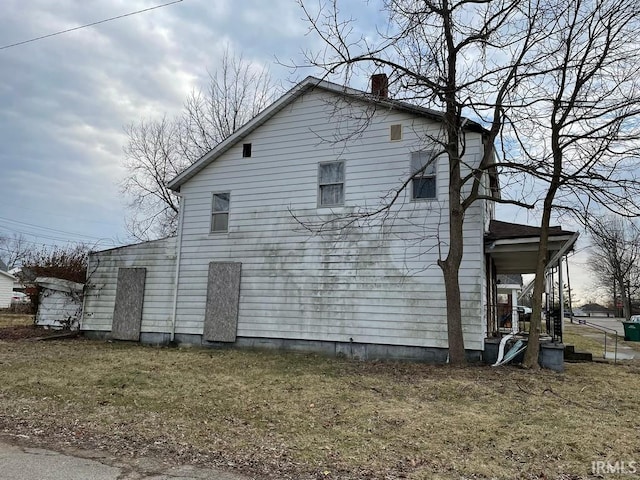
[(380, 85)]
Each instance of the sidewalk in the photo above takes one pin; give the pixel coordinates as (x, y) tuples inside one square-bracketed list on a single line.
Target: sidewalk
[(19, 462), (625, 351)]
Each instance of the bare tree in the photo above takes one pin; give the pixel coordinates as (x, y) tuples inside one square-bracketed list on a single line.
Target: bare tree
[(66, 262), (555, 82), (152, 157), (615, 256), (236, 93), (14, 249), (158, 150), (462, 57), (581, 121)]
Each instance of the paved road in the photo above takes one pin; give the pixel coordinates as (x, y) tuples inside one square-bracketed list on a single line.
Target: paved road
[(25, 463)]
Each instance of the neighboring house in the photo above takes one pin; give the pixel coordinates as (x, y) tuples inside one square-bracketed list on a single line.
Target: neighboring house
[(59, 303), (595, 310), (17, 273), (271, 253), (6, 288)]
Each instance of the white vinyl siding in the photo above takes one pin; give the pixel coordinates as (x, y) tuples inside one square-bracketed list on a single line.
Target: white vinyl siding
[(375, 281), (6, 290), (158, 257)]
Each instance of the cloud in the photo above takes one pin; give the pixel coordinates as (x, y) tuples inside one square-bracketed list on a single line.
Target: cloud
[(64, 100)]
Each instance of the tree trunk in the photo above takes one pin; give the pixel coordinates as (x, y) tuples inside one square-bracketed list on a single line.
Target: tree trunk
[(626, 299), (533, 346), (451, 264), (450, 270)]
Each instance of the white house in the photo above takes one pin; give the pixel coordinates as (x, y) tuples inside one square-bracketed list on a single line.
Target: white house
[(273, 249), (6, 288)]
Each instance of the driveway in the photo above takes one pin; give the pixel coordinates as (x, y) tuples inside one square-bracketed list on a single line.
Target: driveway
[(26, 463)]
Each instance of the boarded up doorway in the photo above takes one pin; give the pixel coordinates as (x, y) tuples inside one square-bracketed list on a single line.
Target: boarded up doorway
[(223, 296), (127, 312)]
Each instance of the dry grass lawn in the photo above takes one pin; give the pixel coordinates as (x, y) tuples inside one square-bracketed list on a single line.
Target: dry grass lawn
[(288, 415), (15, 320)]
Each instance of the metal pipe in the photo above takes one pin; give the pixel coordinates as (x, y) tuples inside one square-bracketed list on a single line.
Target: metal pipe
[(177, 271), (561, 298)]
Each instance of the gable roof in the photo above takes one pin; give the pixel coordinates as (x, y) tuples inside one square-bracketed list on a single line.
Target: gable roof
[(308, 84)]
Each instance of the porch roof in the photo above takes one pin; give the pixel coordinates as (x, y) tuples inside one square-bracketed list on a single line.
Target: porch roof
[(514, 247)]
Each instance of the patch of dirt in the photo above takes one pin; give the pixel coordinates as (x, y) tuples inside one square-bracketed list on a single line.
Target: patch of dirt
[(25, 332)]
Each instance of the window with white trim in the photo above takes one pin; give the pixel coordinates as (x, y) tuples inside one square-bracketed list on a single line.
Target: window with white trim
[(423, 166), (330, 184), (220, 212)]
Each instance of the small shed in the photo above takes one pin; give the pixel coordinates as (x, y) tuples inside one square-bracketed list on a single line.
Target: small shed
[(6, 288), (59, 303)]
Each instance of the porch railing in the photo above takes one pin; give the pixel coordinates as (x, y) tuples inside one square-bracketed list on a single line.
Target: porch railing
[(552, 325)]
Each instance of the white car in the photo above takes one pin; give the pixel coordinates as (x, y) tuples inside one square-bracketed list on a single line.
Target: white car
[(635, 318), (19, 298)]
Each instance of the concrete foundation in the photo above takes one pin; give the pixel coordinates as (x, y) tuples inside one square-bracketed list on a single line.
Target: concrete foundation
[(360, 351)]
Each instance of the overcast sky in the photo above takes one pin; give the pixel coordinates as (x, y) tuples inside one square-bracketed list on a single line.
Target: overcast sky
[(64, 100)]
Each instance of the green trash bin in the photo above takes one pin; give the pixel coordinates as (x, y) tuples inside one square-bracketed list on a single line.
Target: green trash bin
[(631, 331)]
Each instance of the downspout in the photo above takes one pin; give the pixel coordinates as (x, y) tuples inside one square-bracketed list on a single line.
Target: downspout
[(177, 272), (85, 289), (560, 298)]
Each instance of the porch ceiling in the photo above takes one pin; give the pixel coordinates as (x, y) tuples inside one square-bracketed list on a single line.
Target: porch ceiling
[(519, 255)]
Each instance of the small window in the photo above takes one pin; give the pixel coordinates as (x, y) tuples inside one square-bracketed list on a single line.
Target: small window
[(220, 212), (330, 184), (246, 150), (395, 132), (424, 180)]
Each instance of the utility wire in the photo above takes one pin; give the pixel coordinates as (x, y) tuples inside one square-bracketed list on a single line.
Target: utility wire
[(89, 25), (56, 239), (46, 229)]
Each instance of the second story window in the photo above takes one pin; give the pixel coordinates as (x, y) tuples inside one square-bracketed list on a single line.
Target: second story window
[(331, 184), (220, 212), (423, 166)]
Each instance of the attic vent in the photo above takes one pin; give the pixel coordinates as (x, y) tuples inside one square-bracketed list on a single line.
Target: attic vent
[(246, 150), (395, 132)]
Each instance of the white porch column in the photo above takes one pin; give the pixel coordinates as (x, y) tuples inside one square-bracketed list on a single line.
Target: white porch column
[(515, 320)]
